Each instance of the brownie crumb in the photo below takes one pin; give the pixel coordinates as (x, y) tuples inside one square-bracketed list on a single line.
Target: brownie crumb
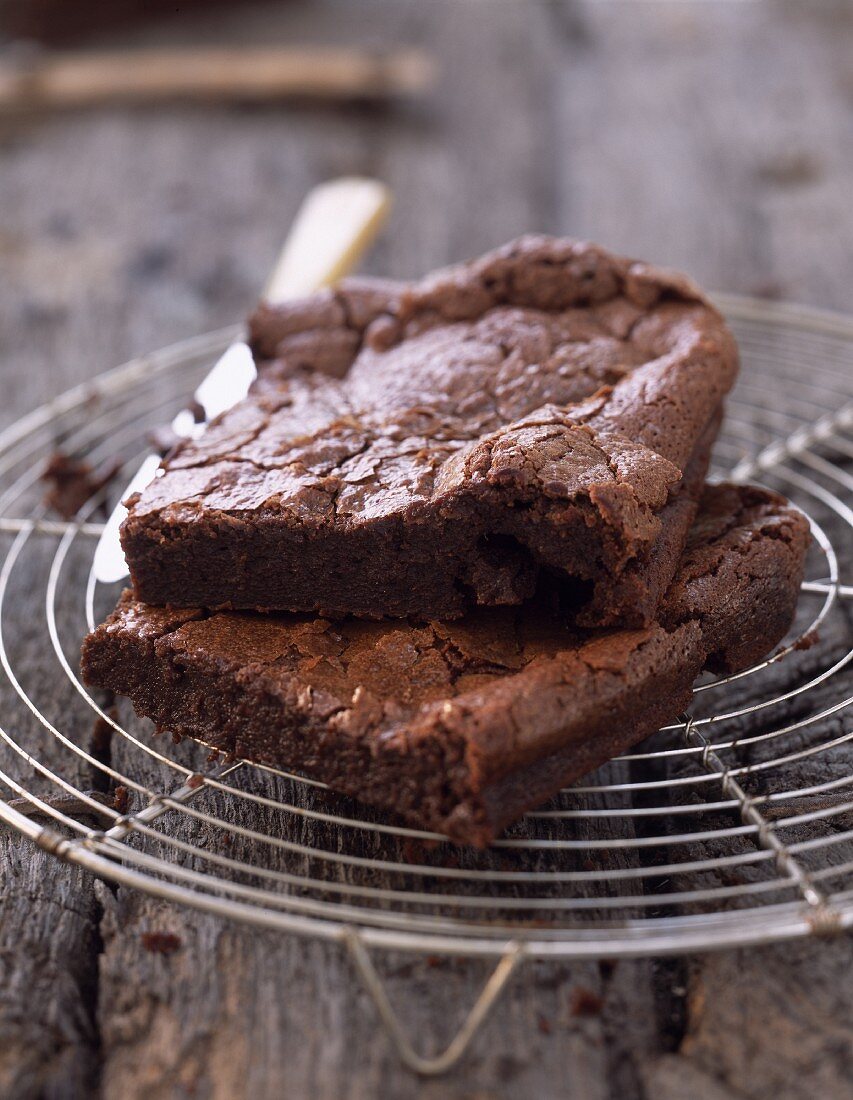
[(163, 440), (121, 800), (71, 482), (585, 1002), (416, 851), (809, 639), (195, 781), (161, 943), (543, 1024)]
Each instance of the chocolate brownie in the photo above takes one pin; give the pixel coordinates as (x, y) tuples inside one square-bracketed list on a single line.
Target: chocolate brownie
[(460, 727), (424, 448), (72, 481)]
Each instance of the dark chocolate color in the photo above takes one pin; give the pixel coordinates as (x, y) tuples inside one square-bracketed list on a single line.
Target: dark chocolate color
[(460, 727), (72, 481), (424, 448)]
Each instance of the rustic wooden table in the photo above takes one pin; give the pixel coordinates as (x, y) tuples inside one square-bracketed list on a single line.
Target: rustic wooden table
[(713, 136)]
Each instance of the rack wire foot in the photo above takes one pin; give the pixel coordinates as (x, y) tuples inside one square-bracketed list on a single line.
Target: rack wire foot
[(441, 1063)]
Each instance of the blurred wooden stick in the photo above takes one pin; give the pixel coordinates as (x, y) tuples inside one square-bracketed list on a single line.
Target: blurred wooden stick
[(86, 79)]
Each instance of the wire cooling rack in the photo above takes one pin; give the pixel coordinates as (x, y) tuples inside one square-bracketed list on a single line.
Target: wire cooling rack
[(732, 826)]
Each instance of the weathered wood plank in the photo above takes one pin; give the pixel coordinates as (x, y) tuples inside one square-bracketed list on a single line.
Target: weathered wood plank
[(713, 140), (714, 137), (49, 945), (49, 914), (651, 127)]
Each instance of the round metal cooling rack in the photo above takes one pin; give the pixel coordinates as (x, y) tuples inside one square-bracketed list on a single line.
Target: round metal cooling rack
[(732, 826)]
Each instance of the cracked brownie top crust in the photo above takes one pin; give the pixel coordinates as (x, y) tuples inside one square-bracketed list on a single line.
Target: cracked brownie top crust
[(461, 726), (421, 448)]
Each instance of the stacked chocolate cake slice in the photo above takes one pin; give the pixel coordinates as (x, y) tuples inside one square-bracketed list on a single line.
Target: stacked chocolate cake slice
[(454, 550)]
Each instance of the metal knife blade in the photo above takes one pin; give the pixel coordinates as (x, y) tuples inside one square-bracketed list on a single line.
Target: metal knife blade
[(335, 224)]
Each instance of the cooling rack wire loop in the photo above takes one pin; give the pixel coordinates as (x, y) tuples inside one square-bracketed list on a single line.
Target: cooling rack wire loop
[(733, 826)]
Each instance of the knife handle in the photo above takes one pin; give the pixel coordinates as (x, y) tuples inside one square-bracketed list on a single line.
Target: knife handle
[(336, 222), (334, 225), (77, 79)]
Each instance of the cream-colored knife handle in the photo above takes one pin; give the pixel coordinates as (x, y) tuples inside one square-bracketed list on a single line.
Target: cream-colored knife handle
[(335, 224)]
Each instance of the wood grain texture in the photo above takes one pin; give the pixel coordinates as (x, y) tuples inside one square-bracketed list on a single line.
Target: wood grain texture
[(710, 136)]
